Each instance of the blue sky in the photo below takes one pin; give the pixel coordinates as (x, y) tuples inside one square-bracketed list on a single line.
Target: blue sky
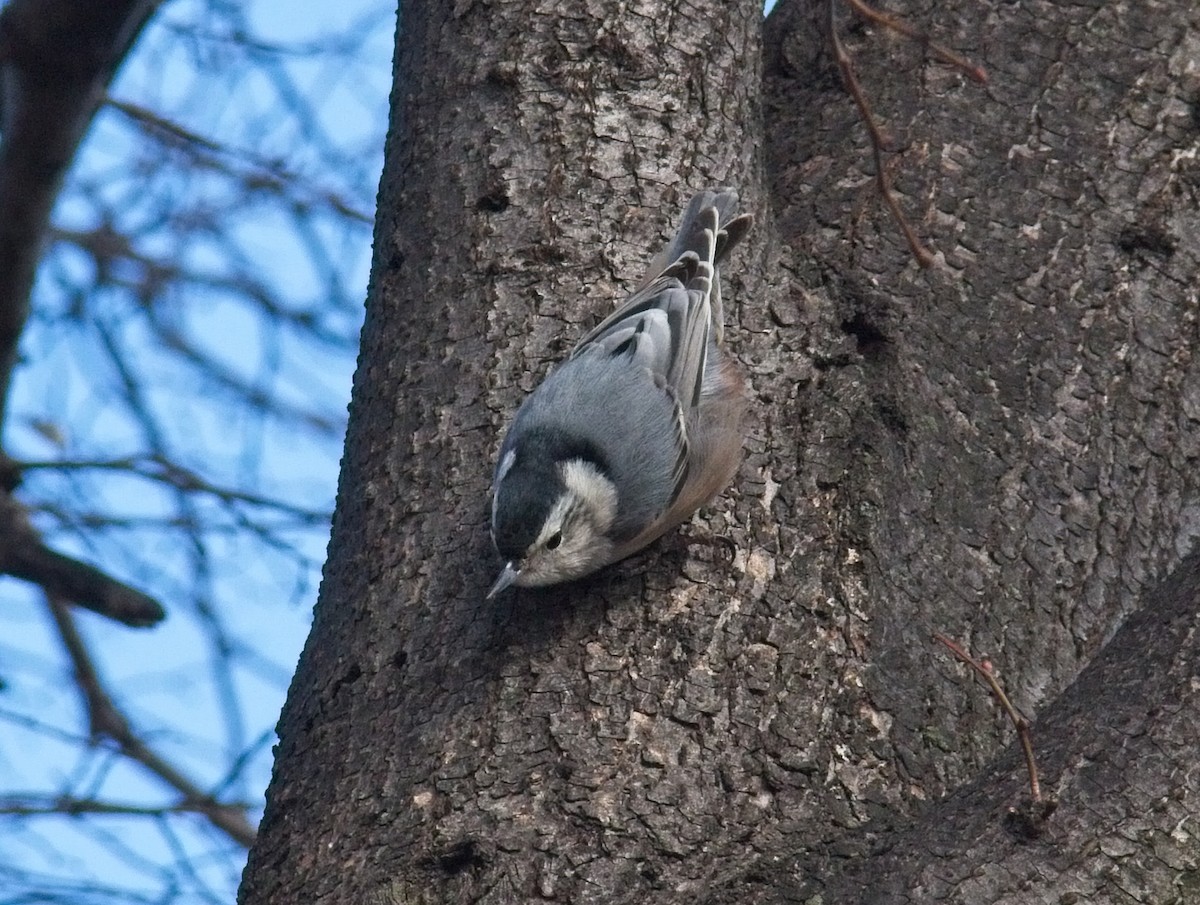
[(204, 688)]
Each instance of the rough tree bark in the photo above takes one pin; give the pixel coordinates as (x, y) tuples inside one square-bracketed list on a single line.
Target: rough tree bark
[(1002, 447)]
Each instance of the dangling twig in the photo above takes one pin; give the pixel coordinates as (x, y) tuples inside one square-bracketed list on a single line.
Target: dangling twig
[(1032, 819), (972, 71), (850, 78)]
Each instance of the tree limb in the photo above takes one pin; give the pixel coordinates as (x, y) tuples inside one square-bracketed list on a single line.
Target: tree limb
[(1108, 744), (107, 721), (56, 56), (23, 555)]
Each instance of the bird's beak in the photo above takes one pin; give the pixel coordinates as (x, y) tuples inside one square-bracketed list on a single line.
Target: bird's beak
[(508, 575)]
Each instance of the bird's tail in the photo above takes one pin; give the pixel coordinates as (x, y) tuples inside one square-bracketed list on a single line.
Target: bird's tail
[(692, 237)]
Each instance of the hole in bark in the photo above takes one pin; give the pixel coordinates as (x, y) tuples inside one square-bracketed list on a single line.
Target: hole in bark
[(1149, 238), (349, 677), (493, 202), (891, 416), (872, 341), (649, 872), (463, 855), (828, 362), (1028, 822)]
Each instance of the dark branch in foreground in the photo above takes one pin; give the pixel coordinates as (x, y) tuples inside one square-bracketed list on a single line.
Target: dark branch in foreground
[(24, 556), (56, 56)]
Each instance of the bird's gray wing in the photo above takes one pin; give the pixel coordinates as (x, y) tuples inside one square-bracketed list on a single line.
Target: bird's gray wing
[(665, 326), (663, 330), (661, 337)]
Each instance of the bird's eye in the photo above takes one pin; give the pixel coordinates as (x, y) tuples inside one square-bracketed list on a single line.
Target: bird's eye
[(553, 541)]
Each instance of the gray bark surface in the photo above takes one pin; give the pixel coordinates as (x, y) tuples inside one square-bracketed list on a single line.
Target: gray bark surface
[(1002, 448)]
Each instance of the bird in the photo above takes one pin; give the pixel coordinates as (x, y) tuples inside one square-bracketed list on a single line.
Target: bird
[(638, 428)]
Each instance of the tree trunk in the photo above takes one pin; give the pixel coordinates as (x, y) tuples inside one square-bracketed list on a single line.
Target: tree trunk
[(1002, 448)]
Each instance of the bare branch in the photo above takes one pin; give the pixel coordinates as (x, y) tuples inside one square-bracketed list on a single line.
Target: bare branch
[(154, 468), (55, 58), (39, 805), (194, 319), (850, 78), (263, 173), (899, 26), (107, 721), (1041, 809), (23, 555)]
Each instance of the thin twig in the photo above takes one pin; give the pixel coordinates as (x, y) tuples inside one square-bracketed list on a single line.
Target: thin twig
[(1020, 723), (107, 721), (971, 70), (36, 805), (266, 172), (850, 79), (154, 467)]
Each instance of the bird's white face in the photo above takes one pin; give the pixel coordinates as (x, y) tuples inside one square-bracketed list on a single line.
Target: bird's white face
[(573, 539)]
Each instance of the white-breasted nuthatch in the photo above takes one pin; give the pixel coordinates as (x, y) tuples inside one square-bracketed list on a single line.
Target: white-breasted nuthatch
[(637, 429)]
